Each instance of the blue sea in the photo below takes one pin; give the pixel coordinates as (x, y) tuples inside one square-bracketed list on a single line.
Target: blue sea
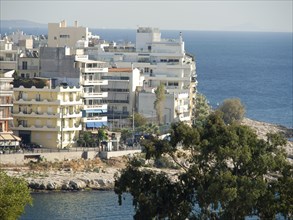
[(253, 66)]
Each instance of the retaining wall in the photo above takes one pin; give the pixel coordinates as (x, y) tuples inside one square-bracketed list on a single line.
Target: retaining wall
[(22, 158)]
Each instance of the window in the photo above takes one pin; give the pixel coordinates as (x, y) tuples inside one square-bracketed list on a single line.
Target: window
[(64, 36), (24, 65)]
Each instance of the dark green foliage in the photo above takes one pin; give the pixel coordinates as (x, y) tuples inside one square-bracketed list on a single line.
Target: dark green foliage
[(125, 134), (14, 196), (150, 192), (229, 173), (202, 110), (88, 139), (159, 102), (233, 110), (139, 120), (28, 83)]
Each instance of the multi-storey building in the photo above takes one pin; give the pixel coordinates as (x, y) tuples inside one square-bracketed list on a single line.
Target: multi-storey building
[(50, 116), (8, 56), (58, 62), (60, 35), (160, 61), (91, 81), (29, 64), (7, 139), (6, 101), (121, 88)]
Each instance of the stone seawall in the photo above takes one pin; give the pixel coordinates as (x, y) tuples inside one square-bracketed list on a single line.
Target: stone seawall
[(22, 158)]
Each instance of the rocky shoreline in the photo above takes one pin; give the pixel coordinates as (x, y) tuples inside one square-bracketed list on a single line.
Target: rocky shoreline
[(99, 175), (66, 180)]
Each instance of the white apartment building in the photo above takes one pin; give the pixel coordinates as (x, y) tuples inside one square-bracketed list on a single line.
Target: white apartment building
[(91, 82), (61, 35), (6, 93), (7, 139), (122, 86), (8, 56), (160, 61)]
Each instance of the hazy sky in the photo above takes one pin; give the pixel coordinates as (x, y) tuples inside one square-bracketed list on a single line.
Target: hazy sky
[(249, 15)]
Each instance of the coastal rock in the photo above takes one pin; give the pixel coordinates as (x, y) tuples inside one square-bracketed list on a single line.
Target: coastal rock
[(77, 184), (52, 186)]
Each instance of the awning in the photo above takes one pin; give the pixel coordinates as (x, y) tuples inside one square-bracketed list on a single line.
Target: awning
[(96, 111), (9, 137), (95, 124)]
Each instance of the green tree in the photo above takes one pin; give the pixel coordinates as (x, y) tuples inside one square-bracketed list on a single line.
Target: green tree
[(233, 110), (159, 102), (14, 196), (125, 134), (86, 139), (102, 135), (202, 110), (139, 120), (225, 170)]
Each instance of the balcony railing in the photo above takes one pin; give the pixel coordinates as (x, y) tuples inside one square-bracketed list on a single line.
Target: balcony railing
[(97, 95), (94, 82)]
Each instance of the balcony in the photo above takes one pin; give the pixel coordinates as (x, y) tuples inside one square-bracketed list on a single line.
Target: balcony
[(74, 114), (26, 101), (94, 70), (91, 107), (94, 119), (46, 128), (94, 82), (31, 114), (95, 95)]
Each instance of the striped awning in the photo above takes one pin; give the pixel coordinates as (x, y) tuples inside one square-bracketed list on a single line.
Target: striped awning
[(9, 137)]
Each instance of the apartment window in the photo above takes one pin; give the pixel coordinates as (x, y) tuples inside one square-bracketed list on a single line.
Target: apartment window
[(64, 36), (24, 65)]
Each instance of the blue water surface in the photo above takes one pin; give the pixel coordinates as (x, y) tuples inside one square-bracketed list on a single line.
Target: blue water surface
[(87, 205)]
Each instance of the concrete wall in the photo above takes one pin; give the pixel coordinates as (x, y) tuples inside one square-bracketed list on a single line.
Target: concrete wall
[(20, 158), (109, 154)]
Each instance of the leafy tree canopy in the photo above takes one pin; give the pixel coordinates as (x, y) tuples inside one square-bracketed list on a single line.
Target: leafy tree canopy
[(202, 110), (233, 110), (139, 120), (14, 196), (159, 102), (226, 173)]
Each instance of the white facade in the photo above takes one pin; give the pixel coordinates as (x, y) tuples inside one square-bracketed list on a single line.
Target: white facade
[(160, 61), (91, 81), (8, 56), (60, 35), (121, 100)]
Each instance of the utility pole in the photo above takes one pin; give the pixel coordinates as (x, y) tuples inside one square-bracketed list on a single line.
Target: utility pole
[(61, 109), (132, 126)]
